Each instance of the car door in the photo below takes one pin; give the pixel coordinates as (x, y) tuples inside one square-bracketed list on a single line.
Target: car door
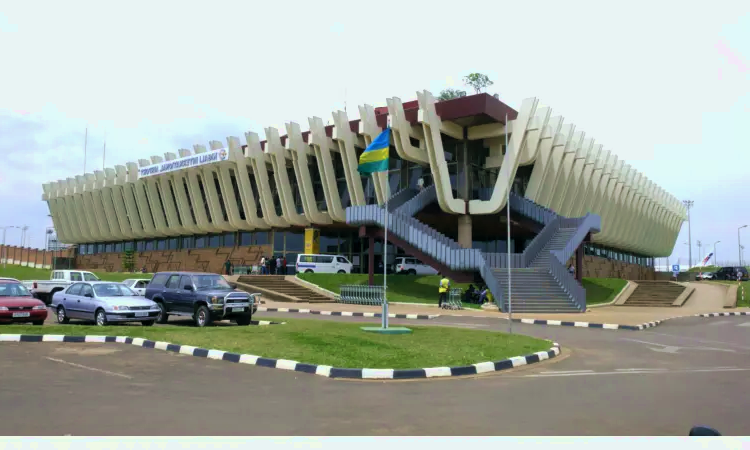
[(170, 292), (185, 298), (70, 301), (87, 302), (140, 287)]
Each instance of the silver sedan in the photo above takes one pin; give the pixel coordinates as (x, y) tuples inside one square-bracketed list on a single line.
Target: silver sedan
[(103, 302)]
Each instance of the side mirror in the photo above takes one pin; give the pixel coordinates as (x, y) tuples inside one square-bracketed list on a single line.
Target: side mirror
[(703, 431), (188, 287), (89, 295)]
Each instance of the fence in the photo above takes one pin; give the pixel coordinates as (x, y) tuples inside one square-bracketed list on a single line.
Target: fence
[(358, 294)]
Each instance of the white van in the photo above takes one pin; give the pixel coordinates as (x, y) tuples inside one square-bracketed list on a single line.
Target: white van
[(413, 266), (322, 264)]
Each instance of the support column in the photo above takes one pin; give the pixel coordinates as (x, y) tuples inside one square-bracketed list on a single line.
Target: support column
[(371, 260), (464, 231), (579, 263)]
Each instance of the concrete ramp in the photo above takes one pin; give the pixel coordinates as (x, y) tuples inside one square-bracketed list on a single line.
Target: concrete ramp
[(281, 288)]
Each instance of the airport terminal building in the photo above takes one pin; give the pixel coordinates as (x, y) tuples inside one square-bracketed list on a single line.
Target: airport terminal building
[(455, 168)]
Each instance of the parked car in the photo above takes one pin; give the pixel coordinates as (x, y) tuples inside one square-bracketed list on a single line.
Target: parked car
[(205, 297), (413, 266), (9, 279), (730, 273), (59, 280), (137, 284), (104, 302), (307, 263), (705, 276), (18, 305)]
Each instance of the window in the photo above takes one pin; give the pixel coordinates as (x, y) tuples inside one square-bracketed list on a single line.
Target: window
[(295, 241), (76, 276), (278, 241), (246, 238), (113, 290), (229, 239), (200, 242), (118, 247), (323, 259), (86, 290), (172, 243), (149, 245), (214, 241), (173, 282), (90, 277), (74, 289), (185, 281), (141, 284), (140, 246), (188, 242), (160, 279), (342, 260), (161, 244), (261, 238)]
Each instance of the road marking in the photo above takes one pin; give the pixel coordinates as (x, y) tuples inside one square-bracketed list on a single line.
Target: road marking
[(706, 341), (744, 324), (93, 369), (566, 371), (632, 371), (473, 325), (721, 322), (675, 349)]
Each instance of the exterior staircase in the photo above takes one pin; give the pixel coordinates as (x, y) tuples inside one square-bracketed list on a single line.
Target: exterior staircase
[(278, 288), (540, 282), (655, 294)]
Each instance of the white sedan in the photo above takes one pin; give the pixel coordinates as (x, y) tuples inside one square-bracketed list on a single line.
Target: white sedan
[(137, 284)]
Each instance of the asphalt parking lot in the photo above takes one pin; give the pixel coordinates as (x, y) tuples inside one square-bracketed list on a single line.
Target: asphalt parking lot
[(607, 383)]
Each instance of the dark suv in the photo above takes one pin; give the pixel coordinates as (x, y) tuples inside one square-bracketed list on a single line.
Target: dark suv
[(730, 273), (203, 296)]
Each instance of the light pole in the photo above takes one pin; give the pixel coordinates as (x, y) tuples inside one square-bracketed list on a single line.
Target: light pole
[(716, 260), (742, 253), (689, 204), (739, 243), (700, 246)]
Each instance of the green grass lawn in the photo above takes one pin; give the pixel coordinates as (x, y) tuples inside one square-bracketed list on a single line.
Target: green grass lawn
[(423, 289), (401, 288), (740, 302), (29, 273), (336, 344), (602, 290)]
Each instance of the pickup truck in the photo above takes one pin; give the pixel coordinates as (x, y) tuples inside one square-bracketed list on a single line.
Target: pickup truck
[(205, 297), (58, 280)]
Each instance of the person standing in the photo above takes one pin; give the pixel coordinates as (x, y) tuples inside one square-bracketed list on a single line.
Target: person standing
[(272, 265), (278, 265), (283, 265), (228, 267), (445, 284), (263, 265)]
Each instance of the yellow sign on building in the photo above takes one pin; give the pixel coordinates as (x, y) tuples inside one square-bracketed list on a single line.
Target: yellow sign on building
[(312, 241)]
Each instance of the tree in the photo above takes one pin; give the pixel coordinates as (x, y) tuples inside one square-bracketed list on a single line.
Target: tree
[(478, 81), (447, 94)]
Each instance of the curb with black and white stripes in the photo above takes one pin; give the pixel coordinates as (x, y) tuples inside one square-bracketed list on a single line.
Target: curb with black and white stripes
[(285, 364), (348, 313), (615, 326)]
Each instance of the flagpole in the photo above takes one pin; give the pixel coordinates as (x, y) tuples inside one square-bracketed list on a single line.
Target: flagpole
[(507, 238), (384, 320)]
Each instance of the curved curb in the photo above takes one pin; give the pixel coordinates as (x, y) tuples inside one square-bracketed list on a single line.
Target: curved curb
[(348, 313), (265, 322), (285, 364), (614, 326)]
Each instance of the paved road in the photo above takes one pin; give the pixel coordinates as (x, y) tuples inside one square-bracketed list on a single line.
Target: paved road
[(655, 382)]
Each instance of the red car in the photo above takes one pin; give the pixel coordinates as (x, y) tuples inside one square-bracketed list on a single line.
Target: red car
[(18, 305)]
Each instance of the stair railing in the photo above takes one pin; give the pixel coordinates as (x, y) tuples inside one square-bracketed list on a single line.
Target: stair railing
[(532, 210), (399, 198), (560, 273), (540, 241), (417, 203), (591, 223)]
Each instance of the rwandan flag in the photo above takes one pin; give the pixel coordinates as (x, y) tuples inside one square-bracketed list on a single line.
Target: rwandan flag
[(375, 157)]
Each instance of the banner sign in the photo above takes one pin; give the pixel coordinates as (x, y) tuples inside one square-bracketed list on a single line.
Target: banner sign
[(188, 162)]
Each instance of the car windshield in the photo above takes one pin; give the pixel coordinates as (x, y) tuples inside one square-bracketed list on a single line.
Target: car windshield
[(13, 290), (113, 290), (210, 282)]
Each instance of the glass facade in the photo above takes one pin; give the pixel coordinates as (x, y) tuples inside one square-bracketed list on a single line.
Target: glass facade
[(617, 255)]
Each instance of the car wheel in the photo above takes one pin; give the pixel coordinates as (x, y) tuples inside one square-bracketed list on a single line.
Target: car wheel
[(62, 317), (202, 316), (38, 322), (147, 323), (101, 318), (341, 271), (309, 271), (163, 316), (244, 320), (412, 272)]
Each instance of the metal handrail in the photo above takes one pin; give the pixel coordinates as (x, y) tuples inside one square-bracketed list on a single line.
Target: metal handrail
[(568, 282), (417, 203)]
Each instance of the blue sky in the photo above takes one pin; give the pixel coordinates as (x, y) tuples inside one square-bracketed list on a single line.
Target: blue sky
[(662, 84)]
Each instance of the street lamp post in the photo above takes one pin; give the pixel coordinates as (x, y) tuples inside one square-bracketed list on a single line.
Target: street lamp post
[(689, 204), (739, 243)]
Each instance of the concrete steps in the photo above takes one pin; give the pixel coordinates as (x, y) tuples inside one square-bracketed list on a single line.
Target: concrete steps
[(655, 294), (279, 288), (534, 290)]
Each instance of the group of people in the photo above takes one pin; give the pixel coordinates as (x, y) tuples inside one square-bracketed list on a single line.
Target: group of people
[(478, 296), (275, 265)]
